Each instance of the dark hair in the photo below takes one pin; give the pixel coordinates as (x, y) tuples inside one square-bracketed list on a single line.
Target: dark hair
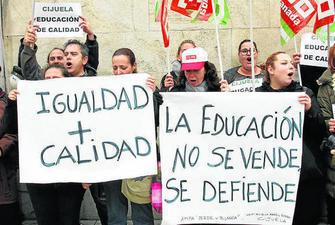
[(270, 62), (129, 53), (83, 48), (56, 66), (244, 41), (331, 57), (211, 78), (188, 41), (60, 49)]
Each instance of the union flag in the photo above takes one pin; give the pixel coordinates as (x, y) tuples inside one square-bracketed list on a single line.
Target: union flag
[(185, 7), (325, 14)]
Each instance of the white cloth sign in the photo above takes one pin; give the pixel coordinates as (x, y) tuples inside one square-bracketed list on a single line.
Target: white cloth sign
[(313, 51), (56, 20), (90, 129), (230, 158)]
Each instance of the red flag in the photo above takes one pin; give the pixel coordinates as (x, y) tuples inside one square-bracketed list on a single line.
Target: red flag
[(205, 11), (185, 7), (297, 13), (164, 23), (325, 13)]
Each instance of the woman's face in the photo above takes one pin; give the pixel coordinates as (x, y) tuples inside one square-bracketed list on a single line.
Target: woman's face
[(245, 55), (121, 65), (282, 71), (53, 73), (195, 77)]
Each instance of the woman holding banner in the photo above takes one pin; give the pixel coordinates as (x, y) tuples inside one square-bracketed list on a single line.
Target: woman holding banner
[(197, 75), (234, 76), (169, 80), (10, 213), (136, 190), (56, 203), (279, 78)]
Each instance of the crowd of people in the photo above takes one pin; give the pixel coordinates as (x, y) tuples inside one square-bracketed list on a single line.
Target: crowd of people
[(59, 203)]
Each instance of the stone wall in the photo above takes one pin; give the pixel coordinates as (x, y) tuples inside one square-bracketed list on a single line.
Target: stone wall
[(130, 23)]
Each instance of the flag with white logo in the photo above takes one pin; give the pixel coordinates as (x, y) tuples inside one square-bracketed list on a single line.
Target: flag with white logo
[(325, 15), (185, 7), (295, 14)]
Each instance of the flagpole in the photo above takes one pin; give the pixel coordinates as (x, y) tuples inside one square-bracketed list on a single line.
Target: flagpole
[(298, 65), (252, 48), (32, 23), (168, 59), (218, 39), (168, 50)]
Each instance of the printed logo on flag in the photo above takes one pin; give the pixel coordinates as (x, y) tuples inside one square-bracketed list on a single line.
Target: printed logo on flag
[(185, 7), (326, 9), (297, 14)]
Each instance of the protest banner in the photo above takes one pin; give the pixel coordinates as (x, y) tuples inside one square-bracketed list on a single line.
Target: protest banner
[(56, 20), (230, 159), (91, 129), (313, 51)]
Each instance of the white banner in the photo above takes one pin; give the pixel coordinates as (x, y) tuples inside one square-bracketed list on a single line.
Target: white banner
[(230, 158), (56, 20), (313, 51), (90, 129)]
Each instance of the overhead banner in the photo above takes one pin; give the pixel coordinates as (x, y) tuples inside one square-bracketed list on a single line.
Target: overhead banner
[(313, 51), (230, 165), (91, 129), (54, 20)]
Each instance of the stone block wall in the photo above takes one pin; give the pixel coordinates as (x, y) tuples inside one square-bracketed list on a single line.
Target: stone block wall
[(130, 23)]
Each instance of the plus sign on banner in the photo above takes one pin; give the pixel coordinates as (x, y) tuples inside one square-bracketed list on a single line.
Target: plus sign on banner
[(86, 130)]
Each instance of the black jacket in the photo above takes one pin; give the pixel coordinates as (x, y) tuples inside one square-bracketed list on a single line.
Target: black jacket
[(9, 151), (314, 131)]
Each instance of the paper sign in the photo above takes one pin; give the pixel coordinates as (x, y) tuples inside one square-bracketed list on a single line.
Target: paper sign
[(313, 51), (56, 20), (90, 129)]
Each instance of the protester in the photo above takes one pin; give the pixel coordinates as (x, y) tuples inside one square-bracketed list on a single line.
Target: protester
[(75, 57), (326, 99), (279, 78), (57, 203), (136, 190), (169, 80), (234, 76), (10, 213), (197, 75), (31, 68)]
